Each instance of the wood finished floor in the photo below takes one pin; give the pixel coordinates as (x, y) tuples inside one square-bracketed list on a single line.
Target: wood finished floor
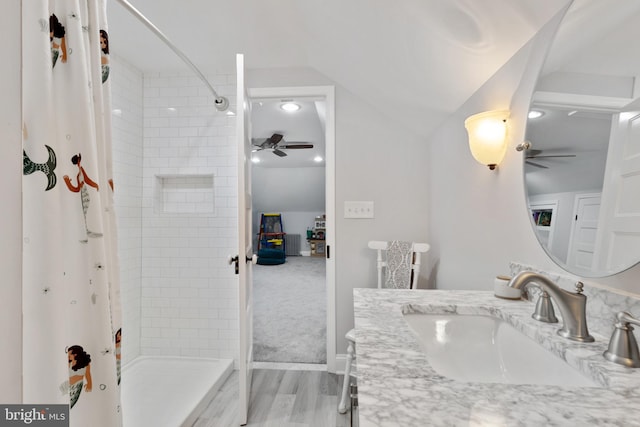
[(279, 398)]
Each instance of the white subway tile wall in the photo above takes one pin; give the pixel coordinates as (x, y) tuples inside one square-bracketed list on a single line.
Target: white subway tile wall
[(189, 293), (179, 194), (180, 296), (126, 90)]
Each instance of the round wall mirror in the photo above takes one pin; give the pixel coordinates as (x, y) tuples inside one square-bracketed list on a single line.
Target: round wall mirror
[(582, 149)]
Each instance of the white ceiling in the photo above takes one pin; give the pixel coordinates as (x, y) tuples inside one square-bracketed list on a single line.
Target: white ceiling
[(597, 36), (303, 126), (416, 60)]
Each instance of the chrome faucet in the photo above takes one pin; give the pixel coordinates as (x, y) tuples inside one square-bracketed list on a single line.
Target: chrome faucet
[(572, 306)]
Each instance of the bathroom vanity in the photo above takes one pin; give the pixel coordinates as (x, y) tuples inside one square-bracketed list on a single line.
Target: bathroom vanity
[(398, 386)]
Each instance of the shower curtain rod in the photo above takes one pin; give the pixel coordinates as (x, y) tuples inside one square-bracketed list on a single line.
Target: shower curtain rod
[(220, 102)]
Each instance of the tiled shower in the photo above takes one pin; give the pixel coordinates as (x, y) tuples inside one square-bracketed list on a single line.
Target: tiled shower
[(189, 293), (175, 188)]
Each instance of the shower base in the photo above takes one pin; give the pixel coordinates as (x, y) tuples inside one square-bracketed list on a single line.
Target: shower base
[(169, 391)]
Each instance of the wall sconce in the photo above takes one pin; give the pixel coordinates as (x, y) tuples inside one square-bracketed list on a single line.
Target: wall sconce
[(487, 136)]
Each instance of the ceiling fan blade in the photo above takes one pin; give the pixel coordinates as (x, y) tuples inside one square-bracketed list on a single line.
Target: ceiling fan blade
[(279, 152), (296, 146), (537, 165), (275, 138)]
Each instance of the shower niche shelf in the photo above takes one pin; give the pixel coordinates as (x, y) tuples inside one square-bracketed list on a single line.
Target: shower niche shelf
[(184, 194)]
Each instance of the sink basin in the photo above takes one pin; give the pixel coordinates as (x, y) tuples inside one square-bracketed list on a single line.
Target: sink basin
[(475, 348)]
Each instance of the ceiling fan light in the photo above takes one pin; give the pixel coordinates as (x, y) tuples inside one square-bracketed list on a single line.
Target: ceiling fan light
[(290, 107), (535, 114)]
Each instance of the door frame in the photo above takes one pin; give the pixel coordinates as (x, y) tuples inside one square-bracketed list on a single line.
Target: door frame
[(328, 93)]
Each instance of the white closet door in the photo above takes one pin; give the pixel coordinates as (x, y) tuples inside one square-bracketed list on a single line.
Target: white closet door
[(619, 227), (583, 231)]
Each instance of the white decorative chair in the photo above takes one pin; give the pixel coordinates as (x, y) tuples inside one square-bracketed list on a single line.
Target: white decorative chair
[(397, 269)]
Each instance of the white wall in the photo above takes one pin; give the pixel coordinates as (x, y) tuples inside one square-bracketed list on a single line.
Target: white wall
[(189, 292), (297, 193), (10, 192), (376, 160), (288, 189), (479, 219), (126, 89)]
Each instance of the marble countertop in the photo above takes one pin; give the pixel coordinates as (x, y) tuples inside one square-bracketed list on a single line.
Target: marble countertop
[(398, 387)]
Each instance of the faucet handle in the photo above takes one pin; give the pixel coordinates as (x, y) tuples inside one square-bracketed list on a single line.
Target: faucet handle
[(579, 287), (623, 348), (624, 318), (544, 309)]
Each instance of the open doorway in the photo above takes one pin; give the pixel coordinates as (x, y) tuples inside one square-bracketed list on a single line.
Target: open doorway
[(292, 175)]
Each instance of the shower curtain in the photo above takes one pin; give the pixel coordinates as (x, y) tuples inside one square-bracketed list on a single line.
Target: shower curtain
[(71, 297)]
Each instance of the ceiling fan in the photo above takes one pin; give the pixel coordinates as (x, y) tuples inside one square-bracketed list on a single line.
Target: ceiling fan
[(538, 154), (275, 143)]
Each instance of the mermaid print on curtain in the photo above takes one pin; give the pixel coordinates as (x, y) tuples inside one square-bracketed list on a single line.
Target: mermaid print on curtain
[(71, 295)]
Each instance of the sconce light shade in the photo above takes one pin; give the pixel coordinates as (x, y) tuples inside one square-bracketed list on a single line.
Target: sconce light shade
[(487, 136)]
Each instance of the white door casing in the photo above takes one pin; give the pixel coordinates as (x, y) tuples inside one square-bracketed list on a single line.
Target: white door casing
[(245, 250), (328, 94)]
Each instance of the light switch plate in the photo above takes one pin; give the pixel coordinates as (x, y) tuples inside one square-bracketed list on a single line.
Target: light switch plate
[(353, 210)]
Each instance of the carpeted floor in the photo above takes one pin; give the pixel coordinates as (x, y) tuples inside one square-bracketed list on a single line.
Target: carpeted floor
[(289, 317)]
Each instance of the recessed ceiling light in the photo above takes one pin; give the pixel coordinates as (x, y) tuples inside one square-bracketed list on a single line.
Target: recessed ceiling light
[(317, 159), (534, 114), (255, 159), (290, 106), (230, 113), (172, 109), (116, 112)]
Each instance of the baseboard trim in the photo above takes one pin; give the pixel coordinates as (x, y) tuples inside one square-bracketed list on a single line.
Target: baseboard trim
[(290, 366)]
